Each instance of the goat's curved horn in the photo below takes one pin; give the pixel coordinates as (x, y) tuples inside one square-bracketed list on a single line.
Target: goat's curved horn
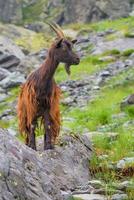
[(56, 29), (59, 28)]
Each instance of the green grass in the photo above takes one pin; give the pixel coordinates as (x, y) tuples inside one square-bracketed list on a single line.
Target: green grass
[(87, 66), (100, 111), (112, 52), (127, 52), (123, 25), (34, 42)]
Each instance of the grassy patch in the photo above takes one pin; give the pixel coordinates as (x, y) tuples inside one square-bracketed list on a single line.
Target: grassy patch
[(112, 52), (123, 25), (129, 34), (127, 52), (100, 111), (35, 42), (87, 66)]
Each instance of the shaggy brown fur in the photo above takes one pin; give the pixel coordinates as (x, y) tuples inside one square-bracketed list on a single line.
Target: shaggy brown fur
[(39, 96)]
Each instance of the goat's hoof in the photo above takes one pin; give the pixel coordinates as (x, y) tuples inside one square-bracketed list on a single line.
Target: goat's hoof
[(49, 147)]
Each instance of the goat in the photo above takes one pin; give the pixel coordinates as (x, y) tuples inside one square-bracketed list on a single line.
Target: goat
[(39, 96)]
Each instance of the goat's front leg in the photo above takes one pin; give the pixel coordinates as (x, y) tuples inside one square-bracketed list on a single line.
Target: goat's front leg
[(32, 142), (48, 132)]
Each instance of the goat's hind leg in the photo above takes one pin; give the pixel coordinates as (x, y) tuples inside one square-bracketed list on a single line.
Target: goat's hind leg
[(32, 141)]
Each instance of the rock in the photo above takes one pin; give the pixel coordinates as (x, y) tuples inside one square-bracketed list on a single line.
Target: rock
[(125, 185), (96, 184), (3, 73), (3, 97), (6, 113), (28, 64), (101, 46), (90, 197), (10, 55), (9, 47), (119, 197), (10, 11), (127, 101), (95, 10), (67, 101), (8, 61), (125, 162), (26, 174), (36, 26), (12, 132), (105, 73), (66, 195), (13, 80)]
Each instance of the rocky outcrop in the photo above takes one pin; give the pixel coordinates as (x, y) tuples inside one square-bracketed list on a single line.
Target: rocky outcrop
[(90, 10), (67, 11), (26, 174), (10, 11)]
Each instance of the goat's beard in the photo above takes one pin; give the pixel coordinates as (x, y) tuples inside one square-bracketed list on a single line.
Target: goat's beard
[(67, 68)]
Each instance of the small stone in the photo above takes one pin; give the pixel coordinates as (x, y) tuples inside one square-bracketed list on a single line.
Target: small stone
[(125, 162), (90, 197), (125, 185), (68, 101), (66, 195), (105, 73), (119, 197), (96, 88), (11, 132), (127, 101), (128, 63), (96, 184)]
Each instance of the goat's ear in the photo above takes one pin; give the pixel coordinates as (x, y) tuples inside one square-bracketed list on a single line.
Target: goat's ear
[(74, 41), (58, 44)]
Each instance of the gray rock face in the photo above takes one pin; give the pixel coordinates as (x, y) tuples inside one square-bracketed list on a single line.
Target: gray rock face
[(9, 47), (26, 174), (14, 79), (67, 11), (90, 10), (10, 11), (119, 197), (3, 73)]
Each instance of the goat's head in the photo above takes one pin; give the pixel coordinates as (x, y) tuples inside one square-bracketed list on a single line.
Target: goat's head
[(63, 49)]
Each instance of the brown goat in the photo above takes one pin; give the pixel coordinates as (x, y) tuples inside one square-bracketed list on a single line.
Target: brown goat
[(39, 96)]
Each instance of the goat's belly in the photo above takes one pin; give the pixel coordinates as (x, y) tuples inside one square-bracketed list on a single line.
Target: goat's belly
[(43, 105)]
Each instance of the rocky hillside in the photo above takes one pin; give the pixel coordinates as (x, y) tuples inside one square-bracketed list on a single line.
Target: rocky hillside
[(67, 11), (97, 108)]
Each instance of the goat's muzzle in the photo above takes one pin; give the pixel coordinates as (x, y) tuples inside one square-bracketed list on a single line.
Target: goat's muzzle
[(76, 61), (68, 65)]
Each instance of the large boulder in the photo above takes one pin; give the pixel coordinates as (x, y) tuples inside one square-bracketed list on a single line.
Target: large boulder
[(26, 174), (10, 54), (90, 10), (10, 11)]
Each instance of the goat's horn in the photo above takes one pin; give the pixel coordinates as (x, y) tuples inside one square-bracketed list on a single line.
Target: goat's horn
[(54, 27), (59, 28)]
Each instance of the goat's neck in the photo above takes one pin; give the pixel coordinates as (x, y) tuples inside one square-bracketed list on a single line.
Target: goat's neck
[(48, 69)]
